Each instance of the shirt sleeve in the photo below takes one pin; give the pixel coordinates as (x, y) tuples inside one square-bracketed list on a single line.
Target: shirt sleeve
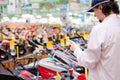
[(91, 55)]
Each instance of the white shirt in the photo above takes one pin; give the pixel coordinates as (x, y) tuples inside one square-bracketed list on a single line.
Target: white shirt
[(102, 56)]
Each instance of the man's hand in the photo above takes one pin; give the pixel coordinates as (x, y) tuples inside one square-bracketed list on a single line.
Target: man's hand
[(73, 45)]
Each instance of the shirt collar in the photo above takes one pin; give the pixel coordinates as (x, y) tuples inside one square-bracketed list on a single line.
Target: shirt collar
[(111, 16)]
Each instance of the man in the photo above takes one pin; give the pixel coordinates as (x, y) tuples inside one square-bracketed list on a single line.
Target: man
[(56, 28), (67, 27), (102, 56)]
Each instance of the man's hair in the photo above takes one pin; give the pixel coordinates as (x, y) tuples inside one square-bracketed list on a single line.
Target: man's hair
[(110, 6)]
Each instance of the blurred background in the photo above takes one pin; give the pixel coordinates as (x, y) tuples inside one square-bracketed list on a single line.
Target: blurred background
[(48, 11)]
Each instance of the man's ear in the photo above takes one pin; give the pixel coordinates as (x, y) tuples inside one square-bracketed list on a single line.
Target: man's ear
[(100, 7)]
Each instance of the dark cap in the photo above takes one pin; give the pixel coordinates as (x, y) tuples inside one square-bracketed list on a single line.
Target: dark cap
[(95, 3)]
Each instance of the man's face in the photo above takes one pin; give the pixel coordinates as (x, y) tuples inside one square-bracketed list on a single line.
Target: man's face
[(98, 13), (56, 30)]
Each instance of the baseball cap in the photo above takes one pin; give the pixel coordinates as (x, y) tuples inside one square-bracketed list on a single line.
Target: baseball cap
[(95, 3), (56, 25)]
